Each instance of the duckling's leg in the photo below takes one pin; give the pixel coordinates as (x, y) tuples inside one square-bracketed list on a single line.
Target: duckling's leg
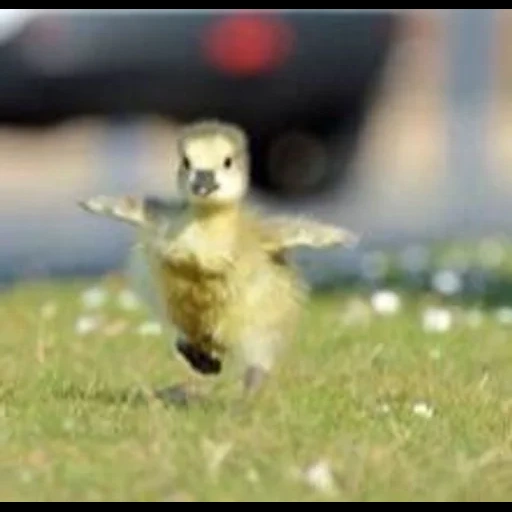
[(201, 362), (258, 353), (254, 378)]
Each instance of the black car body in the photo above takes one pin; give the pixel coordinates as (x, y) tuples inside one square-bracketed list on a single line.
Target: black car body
[(308, 73)]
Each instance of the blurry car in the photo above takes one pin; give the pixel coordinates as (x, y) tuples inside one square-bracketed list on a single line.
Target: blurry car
[(296, 80)]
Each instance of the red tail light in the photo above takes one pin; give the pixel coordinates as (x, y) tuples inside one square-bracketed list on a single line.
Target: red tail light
[(248, 45)]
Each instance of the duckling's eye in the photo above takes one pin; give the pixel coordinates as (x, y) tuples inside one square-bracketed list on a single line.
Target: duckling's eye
[(228, 162), (186, 163)]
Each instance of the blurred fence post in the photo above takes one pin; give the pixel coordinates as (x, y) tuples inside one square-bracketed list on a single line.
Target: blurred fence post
[(469, 37)]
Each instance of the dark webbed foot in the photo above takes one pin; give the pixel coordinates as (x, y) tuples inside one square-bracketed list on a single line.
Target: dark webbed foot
[(176, 395), (199, 360)]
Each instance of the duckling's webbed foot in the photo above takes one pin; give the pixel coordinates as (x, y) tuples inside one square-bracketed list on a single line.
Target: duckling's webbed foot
[(198, 359), (175, 395)]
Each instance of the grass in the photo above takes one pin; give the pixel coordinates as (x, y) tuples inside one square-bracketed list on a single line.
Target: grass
[(382, 407)]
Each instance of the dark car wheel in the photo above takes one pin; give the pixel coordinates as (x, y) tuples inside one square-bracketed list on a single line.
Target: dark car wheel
[(303, 161)]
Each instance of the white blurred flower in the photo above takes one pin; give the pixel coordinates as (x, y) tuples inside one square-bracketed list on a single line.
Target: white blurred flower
[(423, 409), (128, 301), (150, 329), (447, 282), (87, 324), (319, 476), (504, 315), (94, 298), (437, 320), (385, 302)]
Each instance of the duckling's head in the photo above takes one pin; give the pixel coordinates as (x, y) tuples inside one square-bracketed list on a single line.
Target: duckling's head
[(213, 163)]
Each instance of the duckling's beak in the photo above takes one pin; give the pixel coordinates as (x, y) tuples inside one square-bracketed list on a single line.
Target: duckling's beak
[(204, 183)]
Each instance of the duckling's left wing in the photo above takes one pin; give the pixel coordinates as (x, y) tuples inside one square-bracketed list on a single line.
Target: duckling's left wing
[(281, 233), (143, 211)]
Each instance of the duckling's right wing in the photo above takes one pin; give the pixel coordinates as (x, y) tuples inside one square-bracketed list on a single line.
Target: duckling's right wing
[(281, 233)]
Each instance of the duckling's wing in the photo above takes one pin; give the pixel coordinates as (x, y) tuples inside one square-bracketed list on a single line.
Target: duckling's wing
[(281, 233), (143, 211)]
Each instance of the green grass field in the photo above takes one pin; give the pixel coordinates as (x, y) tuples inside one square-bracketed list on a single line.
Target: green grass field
[(366, 407)]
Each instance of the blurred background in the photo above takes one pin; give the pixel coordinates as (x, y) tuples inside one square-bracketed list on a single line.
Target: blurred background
[(393, 123)]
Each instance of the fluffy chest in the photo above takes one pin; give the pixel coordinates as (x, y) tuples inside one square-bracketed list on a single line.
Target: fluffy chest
[(191, 292), (196, 277), (200, 253)]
